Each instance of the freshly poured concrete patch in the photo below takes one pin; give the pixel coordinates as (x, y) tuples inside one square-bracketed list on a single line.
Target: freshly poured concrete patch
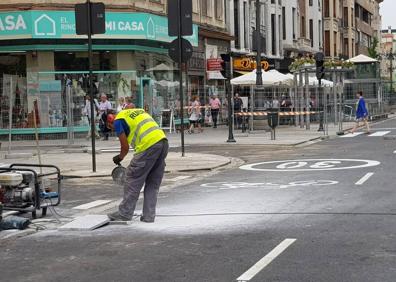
[(92, 205), (86, 223)]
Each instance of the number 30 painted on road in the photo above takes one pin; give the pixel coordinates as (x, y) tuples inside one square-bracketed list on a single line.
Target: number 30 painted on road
[(323, 164), (310, 165)]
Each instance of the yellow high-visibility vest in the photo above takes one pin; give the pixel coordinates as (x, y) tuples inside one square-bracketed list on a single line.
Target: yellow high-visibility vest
[(144, 131)]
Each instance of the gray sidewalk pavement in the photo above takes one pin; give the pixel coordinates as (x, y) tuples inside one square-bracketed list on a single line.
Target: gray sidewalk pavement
[(285, 135), (80, 164)]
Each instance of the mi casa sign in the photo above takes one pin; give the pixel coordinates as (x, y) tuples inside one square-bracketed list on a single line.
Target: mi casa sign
[(61, 24), (12, 23)]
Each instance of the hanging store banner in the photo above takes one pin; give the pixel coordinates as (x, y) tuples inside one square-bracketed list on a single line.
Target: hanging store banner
[(62, 25), (248, 64), (214, 64)]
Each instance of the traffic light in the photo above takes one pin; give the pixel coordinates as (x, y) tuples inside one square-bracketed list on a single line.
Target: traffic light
[(226, 65), (320, 69)]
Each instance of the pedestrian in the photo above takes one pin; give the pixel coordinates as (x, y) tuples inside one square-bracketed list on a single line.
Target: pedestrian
[(195, 115), (361, 113), (128, 103), (137, 128), (285, 106), (215, 106), (87, 113), (121, 104), (104, 109), (238, 103)]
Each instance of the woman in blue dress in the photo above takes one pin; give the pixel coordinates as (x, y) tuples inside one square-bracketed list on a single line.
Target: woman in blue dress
[(361, 113)]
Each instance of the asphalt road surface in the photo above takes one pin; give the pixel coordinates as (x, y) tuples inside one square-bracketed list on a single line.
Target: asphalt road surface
[(326, 212)]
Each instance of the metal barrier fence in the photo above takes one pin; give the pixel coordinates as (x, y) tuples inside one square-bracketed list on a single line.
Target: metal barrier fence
[(53, 106)]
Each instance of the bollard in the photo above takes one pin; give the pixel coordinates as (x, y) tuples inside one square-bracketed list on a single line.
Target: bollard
[(273, 120)]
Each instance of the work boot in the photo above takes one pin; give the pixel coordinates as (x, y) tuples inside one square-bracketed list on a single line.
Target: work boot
[(116, 216), (142, 219)]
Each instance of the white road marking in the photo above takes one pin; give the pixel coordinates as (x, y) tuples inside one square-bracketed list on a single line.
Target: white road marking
[(9, 213), (351, 135), (310, 165), (262, 263), (379, 133), (394, 152), (364, 178), (178, 178), (91, 205), (269, 185)]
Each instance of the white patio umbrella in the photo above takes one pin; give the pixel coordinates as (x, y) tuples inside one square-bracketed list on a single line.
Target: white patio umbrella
[(270, 78), (161, 67), (362, 59), (167, 83)]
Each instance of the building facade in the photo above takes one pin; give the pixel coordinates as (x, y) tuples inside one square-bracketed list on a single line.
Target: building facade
[(288, 29), (350, 26), (44, 63), (387, 49)]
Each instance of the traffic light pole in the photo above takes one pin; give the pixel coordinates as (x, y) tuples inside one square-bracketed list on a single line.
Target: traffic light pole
[(181, 77), (91, 94), (230, 107)]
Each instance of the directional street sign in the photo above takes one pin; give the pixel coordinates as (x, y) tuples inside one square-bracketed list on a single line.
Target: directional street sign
[(186, 17), (187, 50), (98, 25)]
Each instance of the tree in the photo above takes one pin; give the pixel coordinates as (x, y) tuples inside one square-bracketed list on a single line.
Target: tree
[(372, 51)]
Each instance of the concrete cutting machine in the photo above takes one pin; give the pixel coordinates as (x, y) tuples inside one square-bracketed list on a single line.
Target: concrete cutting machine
[(30, 187)]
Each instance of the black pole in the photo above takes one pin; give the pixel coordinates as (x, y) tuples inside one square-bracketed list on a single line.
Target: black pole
[(229, 103), (259, 78), (179, 37), (321, 113), (391, 69), (91, 94)]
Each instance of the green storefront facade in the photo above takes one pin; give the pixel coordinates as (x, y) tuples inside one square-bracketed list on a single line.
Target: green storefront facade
[(43, 67)]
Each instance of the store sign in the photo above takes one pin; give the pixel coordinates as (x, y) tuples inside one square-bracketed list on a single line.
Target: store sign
[(62, 25), (248, 64), (214, 64), (197, 61)]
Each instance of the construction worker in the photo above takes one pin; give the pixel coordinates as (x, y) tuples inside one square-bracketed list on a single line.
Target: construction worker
[(137, 128)]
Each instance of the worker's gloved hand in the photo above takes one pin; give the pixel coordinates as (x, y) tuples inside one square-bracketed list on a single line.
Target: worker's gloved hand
[(117, 159)]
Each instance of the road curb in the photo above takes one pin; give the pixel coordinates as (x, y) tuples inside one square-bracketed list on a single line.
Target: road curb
[(86, 174)]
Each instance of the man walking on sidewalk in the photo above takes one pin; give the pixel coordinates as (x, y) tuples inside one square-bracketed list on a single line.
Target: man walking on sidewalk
[(361, 113), (136, 127)]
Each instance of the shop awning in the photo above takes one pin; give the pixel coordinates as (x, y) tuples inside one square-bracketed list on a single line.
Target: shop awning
[(215, 75)]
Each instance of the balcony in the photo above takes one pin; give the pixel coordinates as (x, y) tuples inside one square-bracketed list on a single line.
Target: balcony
[(334, 23)]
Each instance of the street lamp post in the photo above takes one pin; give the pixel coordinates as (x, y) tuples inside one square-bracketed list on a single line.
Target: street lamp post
[(259, 78)]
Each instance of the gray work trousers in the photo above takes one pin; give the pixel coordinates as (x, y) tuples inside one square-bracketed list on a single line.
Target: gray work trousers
[(147, 169)]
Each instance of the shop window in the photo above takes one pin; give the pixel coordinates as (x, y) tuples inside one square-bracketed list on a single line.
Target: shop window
[(13, 90)]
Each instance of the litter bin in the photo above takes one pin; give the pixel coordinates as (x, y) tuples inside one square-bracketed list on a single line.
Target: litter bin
[(273, 121)]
